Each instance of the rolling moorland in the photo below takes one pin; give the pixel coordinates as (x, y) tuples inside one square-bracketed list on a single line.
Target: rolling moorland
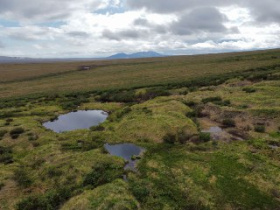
[(165, 105)]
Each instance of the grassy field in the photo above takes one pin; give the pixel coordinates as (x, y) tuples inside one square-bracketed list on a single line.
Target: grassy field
[(165, 105), (28, 79)]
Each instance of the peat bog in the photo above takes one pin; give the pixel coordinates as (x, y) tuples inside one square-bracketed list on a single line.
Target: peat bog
[(209, 126)]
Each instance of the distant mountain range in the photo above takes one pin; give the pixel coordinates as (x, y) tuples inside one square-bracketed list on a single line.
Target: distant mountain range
[(4, 59), (148, 54)]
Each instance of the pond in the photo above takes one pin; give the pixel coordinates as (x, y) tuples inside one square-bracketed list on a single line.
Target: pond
[(216, 133), (215, 129), (127, 151), (76, 120)]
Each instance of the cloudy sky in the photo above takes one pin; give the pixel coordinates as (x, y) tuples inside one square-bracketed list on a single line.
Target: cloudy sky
[(96, 28)]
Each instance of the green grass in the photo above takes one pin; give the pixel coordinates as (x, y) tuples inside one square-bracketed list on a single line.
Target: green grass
[(115, 195), (179, 97)]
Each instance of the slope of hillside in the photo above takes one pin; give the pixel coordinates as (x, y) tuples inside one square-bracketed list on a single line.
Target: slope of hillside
[(209, 127), (28, 79)]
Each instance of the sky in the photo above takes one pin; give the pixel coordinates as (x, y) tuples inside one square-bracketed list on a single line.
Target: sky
[(97, 28)]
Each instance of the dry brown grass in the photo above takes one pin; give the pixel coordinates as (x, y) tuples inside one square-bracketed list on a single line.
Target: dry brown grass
[(25, 79)]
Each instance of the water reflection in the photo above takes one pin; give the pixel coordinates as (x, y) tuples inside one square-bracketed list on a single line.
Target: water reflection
[(126, 151), (77, 120)]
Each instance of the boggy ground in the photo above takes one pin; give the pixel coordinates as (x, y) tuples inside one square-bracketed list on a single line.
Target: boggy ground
[(182, 168)]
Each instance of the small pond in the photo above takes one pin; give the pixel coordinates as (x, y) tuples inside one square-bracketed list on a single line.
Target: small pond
[(215, 129), (216, 133), (76, 120), (126, 151)]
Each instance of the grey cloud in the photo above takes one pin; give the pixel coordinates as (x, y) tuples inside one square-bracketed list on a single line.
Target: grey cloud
[(79, 34), (263, 11), (266, 11), (42, 10), (125, 34), (174, 5), (26, 36), (234, 30), (160, 29), (206, 19), (142, 22), (32, 33)]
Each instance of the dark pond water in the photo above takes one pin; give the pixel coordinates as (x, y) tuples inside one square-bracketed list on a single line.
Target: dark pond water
[(126, 151), (77, 120)]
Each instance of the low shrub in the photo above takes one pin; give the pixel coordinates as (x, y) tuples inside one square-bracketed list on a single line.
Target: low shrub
[(2, 185), (89, 145), (185, 92), (212, 99), (124, 111), (6, 155), (71, 102), (184, 135), (129, 96), (169, 138), (50, 200), (5, 114), (139, 189), (117, 96), (147, 111), (204, 136), (70, 146), (259, 128), (83, 145), (22, 177), (2, 133), (199, 111), (228, 123), (257, 77), (103, 173), (53, 171), (249, 90), (181, 136), (97, 128), (190, 103), (14, 136), (35, 144), (9, 120), (191, 114), (17, 130), (152, 93), (226, 103), (243, 106)]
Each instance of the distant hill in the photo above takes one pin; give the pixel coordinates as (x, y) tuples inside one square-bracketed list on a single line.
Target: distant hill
[(5, 59), (148, 54)]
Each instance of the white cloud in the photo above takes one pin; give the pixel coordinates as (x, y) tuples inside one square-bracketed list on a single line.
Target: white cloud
[(166, 26)]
